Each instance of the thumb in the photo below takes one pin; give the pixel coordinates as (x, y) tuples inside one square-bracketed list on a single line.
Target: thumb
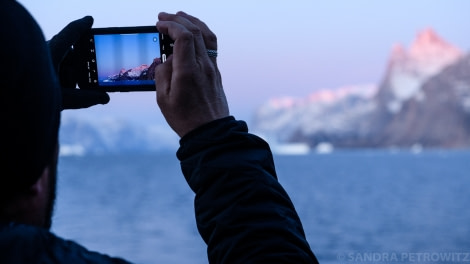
[(79, 98)]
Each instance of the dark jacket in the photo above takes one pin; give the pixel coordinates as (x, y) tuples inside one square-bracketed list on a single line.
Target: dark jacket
[(23, 244), (242, 212)]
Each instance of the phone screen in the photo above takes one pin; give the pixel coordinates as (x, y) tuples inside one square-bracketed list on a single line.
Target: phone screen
[(127, 59), (121, 59)]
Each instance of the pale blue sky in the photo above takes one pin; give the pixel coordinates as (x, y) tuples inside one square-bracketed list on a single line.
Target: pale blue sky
[(276, 48)]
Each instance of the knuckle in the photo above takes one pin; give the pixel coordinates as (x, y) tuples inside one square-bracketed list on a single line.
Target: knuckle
[(187, 37), (211, 74), (196, 31), (211, 37)]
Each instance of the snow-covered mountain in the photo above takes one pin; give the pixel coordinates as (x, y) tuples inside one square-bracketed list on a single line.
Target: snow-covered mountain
[(80, 136), (439, 116), (324, 112), (429, 80), (142, 72), (408, 69)]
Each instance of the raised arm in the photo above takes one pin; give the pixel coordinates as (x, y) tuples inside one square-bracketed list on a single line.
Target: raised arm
[(242, 212)]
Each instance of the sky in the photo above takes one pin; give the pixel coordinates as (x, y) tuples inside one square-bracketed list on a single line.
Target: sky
[(274, 48)]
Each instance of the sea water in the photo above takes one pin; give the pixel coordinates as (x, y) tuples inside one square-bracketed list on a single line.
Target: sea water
[(355, 206)]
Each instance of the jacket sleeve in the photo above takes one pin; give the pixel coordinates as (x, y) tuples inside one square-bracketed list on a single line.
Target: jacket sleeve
[(242, 212)]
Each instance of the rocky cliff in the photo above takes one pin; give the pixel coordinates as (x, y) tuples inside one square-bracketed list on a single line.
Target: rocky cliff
[(439, 116), (423, 99)]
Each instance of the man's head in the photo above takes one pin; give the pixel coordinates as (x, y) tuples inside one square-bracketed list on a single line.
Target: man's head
[(30, 117)]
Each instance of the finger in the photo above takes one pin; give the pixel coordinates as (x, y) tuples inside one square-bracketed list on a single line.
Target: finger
[(163, 77), (69, 35), (184, 48), (194, 30), (76, 98), (209, 37)]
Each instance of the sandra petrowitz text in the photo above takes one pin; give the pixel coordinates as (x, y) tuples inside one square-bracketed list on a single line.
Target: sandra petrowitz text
[(388, 257)]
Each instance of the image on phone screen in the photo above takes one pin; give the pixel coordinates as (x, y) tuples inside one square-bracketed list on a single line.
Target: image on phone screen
[(127, 59)]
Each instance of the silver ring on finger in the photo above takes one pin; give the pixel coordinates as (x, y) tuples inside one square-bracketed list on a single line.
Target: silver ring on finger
[(212, 53)]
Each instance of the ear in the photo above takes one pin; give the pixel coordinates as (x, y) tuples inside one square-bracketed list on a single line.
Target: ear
[(28, 206), (40, 186)]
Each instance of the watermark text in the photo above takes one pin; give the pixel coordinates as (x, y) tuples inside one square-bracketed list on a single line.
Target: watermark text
[(408, 257)]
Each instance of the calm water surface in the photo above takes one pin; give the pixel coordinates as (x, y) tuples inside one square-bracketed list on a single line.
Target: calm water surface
[(353, 205)]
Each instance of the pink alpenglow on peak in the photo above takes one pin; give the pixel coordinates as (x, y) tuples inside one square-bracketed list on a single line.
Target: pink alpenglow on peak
[(283, 102), (332, 96), (409, 68), (427, 55), (137, 71), (428, 42), (142, 72), (324, 96)]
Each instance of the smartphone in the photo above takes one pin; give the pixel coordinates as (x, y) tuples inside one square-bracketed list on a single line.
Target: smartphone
[(121, 59)]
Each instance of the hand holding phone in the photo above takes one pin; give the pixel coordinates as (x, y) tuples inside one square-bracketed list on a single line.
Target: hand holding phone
[(189, 88), (121, 59), (65, 66)]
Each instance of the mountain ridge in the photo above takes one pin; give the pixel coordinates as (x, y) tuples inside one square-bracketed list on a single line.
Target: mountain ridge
[(81, 136), (430, 80)]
